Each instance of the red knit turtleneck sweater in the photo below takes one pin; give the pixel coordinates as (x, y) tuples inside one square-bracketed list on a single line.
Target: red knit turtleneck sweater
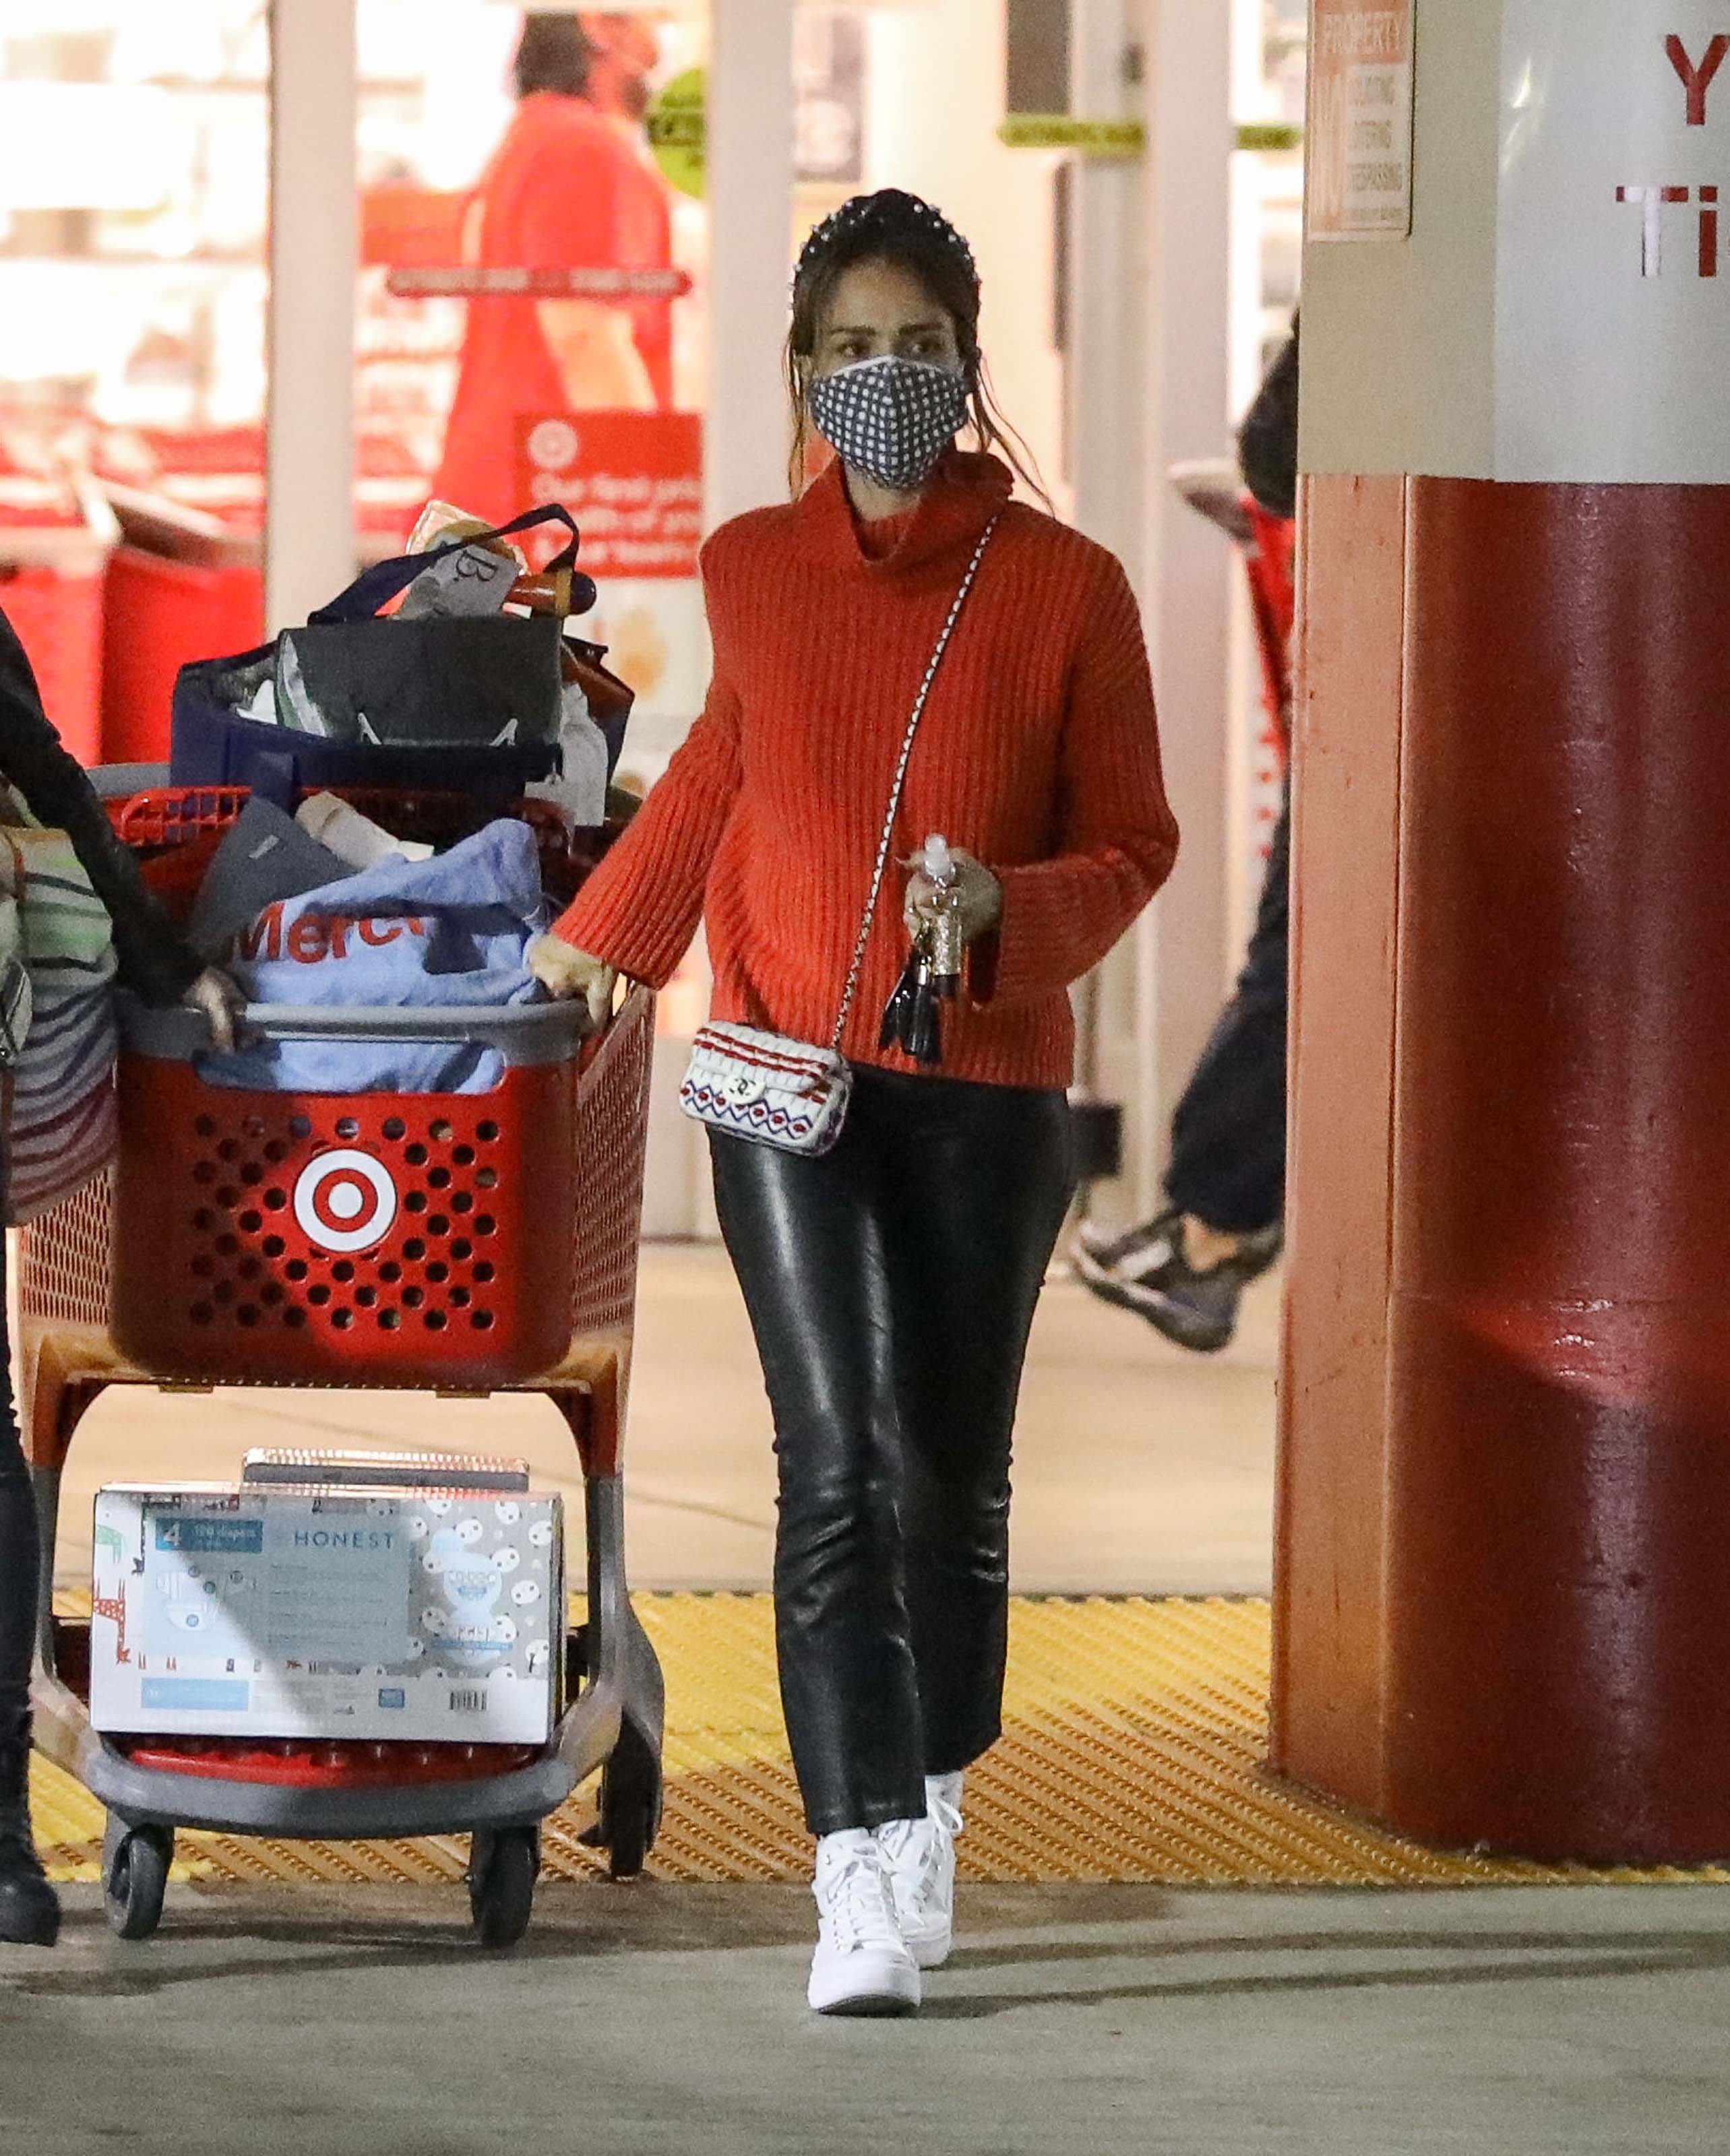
[(1038, 753)]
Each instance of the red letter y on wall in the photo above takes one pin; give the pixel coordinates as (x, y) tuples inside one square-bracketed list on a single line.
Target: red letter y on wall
[(1696, 80)]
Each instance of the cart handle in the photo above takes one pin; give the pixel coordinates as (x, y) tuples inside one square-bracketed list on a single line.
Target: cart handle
[(522, 1034)]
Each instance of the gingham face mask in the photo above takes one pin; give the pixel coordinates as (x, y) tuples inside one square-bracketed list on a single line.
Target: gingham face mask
[(890, 417)]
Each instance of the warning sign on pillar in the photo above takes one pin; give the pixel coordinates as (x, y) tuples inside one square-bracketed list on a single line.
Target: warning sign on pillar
[(1359, 141)]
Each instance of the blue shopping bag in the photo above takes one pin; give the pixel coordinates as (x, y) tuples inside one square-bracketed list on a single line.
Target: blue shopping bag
[(466, 704)]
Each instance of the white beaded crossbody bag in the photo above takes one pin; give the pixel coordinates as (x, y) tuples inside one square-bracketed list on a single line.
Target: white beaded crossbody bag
[(765, 1086)]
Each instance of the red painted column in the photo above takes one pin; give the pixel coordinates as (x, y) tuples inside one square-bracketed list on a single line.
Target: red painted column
[(1503, 1603), (1559, 1569)]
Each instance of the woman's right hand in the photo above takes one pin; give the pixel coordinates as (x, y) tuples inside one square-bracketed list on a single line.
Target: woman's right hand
[(574, 976)]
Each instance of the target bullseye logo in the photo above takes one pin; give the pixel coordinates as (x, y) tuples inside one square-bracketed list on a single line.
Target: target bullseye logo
[(345, 1201)]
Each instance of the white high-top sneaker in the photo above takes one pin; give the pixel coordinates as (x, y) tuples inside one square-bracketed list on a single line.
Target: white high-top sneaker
[(862, 1964), (920, 1855)]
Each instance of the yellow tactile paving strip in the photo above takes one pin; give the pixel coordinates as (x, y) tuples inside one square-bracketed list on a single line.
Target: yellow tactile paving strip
[(1135, 1734)]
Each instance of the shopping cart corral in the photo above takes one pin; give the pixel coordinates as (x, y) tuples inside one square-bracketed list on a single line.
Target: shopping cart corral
[(457, 1244)]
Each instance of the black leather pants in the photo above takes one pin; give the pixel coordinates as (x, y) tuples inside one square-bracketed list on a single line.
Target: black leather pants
[(891, 1286)]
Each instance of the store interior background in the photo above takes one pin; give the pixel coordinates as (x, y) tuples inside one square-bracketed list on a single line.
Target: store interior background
[(1129, 307)]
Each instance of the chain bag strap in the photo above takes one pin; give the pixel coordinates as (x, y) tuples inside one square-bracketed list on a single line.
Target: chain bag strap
[(766, 1086), (857, 967)]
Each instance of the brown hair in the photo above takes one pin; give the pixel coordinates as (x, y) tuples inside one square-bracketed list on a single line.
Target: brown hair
[(901, 230), (555, 53)]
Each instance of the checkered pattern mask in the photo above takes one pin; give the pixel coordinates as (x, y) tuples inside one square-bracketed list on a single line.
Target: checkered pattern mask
[(891, 417)]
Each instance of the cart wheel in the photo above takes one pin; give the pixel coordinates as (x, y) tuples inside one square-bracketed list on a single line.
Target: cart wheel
[(629, 1803), (503, 1865), (135, 1875)]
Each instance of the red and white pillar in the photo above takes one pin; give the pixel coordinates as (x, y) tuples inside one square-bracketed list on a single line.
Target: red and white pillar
[(1503, 1602)]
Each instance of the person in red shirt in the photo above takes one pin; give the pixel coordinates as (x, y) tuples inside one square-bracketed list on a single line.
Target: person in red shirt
[(892, 1280), (567, 189)]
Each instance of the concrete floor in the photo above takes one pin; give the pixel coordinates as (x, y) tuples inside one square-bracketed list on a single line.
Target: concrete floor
[(1139, 1468), (668, 2018), (645, 2020)]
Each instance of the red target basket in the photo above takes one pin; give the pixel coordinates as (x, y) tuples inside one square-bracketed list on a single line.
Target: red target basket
[(377, 1239)]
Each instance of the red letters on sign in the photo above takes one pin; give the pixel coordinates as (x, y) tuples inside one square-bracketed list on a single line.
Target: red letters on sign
[(309, 940), (316, 937), (264, 938), (1696, 80)]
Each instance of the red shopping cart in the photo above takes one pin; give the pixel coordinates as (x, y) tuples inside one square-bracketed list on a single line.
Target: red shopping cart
[(458, 1244)]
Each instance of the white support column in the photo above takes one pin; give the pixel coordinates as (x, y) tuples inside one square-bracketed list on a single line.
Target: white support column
[(749, 135), (1150, 388), (1105, 388), (750, 184), (309, 511), (1105, 394), (1187, 571)]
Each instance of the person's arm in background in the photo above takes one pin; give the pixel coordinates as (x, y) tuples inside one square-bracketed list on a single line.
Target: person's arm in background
[(594, 348)]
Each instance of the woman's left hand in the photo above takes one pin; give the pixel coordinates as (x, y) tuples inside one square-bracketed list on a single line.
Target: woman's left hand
[(221, 1003), (975, 893)]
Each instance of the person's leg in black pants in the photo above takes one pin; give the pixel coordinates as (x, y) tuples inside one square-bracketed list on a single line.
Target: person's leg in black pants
[(806, 1243), (1228, 1131), (30, 1913), (891, 1286), (970, 1230), (1186, 1270)]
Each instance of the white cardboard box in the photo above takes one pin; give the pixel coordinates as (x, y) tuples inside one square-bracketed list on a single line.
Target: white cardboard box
[(270, 1610)]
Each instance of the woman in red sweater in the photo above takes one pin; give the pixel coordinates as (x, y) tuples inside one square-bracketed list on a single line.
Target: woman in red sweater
[(891, 1281)]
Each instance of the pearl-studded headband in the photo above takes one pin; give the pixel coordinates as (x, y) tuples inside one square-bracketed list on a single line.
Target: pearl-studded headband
[(893, 212)]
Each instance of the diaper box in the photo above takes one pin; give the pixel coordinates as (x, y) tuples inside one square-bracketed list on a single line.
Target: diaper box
[(291, 1610)]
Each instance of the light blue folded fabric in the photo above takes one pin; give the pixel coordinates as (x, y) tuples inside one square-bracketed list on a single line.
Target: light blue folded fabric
[(452, 930)]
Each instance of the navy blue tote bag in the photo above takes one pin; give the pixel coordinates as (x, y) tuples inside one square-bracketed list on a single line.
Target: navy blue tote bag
[(468, 705)]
